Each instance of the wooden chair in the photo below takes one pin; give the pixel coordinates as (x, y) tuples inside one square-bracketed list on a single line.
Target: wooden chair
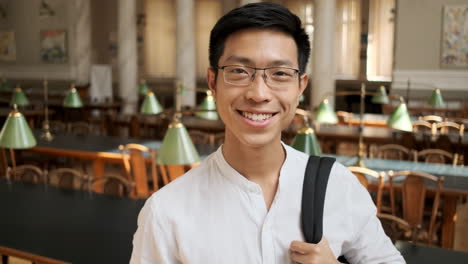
[(28, 173), (172, 172), (424, 126), (79, 128), (392, 152), (113, 184), (68, 178), (396, 228), (134, 157), (431, 118), (200, 137), (445, 127), (436, 156), (362, 174), (413, 200)]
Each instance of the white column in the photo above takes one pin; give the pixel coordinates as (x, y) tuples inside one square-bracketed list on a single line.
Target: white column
[(127, 55), (82, 41), (323, 51), (244, 2), (186, 72)]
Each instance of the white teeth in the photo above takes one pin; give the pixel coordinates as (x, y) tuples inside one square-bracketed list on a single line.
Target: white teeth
[(256, 117)]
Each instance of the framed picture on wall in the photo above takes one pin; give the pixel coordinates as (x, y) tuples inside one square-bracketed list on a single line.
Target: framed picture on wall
[(7, 46), (54, 46), (454, 46)]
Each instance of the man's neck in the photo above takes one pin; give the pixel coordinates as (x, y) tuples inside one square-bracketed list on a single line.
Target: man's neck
[(258, 164)]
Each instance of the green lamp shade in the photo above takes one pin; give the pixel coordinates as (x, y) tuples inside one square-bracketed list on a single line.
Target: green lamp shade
[(209, 107), (4, 85), (399, 119), (307, 142), (16, 133), (381, 96), (72, 100), (177, 147), (143, 88), (436, 99), (19, 98), (325, 114), (151, 105)]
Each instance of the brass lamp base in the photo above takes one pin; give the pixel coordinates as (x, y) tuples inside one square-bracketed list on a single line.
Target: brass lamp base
[(46, 135)]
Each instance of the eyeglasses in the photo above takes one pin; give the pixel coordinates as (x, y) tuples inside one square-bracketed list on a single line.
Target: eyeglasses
[(275, 77)]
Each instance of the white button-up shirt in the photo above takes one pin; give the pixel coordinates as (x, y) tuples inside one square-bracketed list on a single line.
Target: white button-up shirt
[(213, 214)]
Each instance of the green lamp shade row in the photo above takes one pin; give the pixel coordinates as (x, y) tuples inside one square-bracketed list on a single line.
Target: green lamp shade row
[(151, 105), (177, 147), (325, 113), (72, 100), (16, 133), (307, 143), (209, 107), (143, 89), (400, 119), (436, 99), (19, 98), (381, 96)]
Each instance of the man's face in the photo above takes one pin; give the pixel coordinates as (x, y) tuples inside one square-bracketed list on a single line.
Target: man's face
[(256, 114)]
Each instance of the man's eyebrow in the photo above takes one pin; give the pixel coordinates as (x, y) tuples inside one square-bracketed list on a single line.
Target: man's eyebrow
[(281, 63), (239, 59)]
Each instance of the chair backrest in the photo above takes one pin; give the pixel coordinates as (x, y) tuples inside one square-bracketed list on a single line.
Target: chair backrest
[(431, 118), (397, 228), (363, 173), (113, 184), (436, 156), (200, 137), (413, 199), (135, 158), (393, 152), (79, 128), (172, 172), (445, 127), (424, 126), (67, 178), (29, 173)]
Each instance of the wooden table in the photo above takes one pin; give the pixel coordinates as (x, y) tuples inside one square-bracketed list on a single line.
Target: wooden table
[(67, 225)]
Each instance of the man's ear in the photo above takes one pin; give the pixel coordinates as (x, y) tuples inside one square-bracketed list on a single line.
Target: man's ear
[(211, 79), (302, 84)]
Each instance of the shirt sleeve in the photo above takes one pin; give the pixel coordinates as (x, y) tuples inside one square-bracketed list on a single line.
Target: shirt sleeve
[(368, 244), (152, 242)]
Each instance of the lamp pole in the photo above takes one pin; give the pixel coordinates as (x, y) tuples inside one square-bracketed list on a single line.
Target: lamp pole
[(46, 134), (360, 161)]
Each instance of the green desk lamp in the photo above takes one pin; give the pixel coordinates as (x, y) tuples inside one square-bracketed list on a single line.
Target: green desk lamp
[(399, 118), (305, 139), (143, 88), (16, 134), (436, 100), (208, 107), (72, 100), (381, 96), (151, 105), (19, 98), (325, 113), (177, 147)]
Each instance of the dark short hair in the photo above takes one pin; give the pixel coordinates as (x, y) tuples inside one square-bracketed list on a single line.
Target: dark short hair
[(259, 16)]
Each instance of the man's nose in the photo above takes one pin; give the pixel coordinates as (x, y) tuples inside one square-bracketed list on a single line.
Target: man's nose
[(258, 90)]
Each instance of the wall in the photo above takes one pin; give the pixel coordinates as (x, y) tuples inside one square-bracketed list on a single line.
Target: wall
[(23, 18), (418, 48)]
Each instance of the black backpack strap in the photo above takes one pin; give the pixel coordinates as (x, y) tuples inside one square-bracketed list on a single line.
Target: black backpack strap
[(313, 197)]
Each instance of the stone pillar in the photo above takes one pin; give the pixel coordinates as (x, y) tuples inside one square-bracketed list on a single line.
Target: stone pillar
[(186, 72), (323, 52), (82, 41), (127, 55)]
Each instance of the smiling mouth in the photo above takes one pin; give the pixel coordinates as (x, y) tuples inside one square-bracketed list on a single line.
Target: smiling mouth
[(255, 116)]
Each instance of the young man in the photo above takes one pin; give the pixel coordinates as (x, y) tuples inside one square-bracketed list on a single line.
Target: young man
[(242, 204)]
